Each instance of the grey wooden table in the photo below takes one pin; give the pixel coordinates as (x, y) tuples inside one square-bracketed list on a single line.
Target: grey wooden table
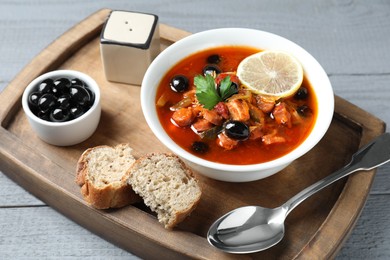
[(351, 39)]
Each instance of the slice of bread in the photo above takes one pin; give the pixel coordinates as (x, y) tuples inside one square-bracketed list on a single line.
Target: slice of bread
[(166, 185), (99, 173)]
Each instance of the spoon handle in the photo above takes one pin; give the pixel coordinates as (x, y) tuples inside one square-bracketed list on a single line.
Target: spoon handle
[(370, 156)]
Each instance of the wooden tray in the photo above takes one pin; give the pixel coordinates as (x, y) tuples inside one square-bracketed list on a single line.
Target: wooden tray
[(315, 230)]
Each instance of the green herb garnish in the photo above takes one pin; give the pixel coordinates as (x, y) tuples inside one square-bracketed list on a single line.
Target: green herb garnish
[(206, 92), (226, 89)]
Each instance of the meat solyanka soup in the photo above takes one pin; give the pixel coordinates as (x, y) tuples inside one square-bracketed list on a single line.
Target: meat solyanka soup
[(206, 110)]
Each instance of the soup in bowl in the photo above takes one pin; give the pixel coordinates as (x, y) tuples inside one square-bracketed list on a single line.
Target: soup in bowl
[(198, 103)]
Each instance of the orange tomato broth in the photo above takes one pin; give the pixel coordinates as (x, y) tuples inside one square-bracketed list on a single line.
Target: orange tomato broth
[(249, 151)]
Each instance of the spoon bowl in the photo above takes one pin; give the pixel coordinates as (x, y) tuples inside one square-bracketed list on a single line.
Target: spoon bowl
[(252, 228), (246, 229)]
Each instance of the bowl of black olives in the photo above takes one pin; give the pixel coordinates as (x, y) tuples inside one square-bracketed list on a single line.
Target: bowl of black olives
[(62, 106)]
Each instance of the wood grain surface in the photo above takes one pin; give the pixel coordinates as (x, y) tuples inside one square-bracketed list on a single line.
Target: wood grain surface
[(348, 37)]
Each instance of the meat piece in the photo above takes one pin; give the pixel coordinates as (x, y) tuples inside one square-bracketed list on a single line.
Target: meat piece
[(281, 114), (265, 105), (255, 132), (197, 110), (183, 117), (295, 117), (222, 110), (238, 110), (226, 142), (273, 139), (201, 125), (212, 116)]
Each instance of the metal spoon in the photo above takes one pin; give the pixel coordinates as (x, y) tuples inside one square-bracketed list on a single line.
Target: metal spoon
[(251, 229)]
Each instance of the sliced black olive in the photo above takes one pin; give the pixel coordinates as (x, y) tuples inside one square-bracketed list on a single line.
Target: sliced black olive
[(236, 130), (214, 59), (301, 94), (199, 147), (304, 110), (46, 102), (211, 69), (179, 83)]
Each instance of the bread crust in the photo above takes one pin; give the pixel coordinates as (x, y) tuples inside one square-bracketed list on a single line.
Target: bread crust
[(109, 196)]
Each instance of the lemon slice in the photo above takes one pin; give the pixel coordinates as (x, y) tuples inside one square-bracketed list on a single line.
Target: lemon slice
[(272, 73)]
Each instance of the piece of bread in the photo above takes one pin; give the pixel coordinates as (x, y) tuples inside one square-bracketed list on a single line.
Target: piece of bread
[(99, 173), (166, 185)]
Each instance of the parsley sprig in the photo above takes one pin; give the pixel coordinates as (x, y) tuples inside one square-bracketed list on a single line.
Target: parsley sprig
[(206, 91)]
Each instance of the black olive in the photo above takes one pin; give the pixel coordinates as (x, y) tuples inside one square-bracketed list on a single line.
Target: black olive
[(44, 115), (33, 99), (59, 115), (301, 94), (91, 94), (63, 101), (79, 95), (45, 86), (214, 59), (236, 130), (179, 83), (77, 82), (199, 147), (60, 86), (211, 69), (76, 111), (304, 110), (46, 102)]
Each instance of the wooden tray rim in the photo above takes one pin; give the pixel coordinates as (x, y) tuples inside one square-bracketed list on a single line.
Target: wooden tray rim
[(20, 172)]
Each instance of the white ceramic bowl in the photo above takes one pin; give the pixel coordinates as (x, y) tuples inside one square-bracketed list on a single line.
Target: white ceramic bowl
[(242, 37), (70, 132)]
